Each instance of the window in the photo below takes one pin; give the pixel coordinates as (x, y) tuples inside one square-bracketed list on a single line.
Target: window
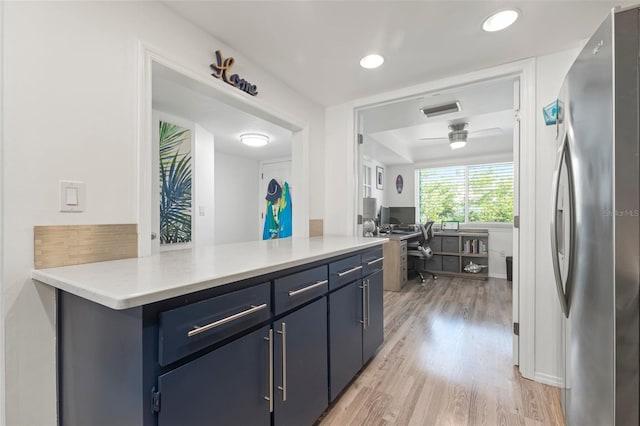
[(478, 193), (366, 190)]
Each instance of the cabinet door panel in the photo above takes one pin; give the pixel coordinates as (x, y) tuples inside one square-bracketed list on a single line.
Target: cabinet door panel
[(345, 336), (373, 333), (224, 387), (305, 346)]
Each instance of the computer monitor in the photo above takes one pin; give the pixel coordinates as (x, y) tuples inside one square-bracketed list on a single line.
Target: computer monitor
[(403, 215), (385, 215)]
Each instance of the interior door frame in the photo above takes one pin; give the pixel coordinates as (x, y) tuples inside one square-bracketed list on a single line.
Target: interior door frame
[(147, 56), (525, 71)]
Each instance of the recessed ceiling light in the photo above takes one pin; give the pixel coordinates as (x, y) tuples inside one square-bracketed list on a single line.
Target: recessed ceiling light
[(500, 20), (371, 61), (254, 139)]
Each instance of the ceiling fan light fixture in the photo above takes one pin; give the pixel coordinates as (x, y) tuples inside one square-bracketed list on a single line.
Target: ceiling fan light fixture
[(442, 109), (254, 139), (500, 20), (458, 135), (457, 144)]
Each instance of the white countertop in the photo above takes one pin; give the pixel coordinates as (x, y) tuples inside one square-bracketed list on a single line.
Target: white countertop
[(122, 284)]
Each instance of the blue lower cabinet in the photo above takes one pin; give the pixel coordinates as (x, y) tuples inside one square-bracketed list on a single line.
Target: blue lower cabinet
[(270, 351), (356, 329), (224, 387), (373, 330), (345, 331), (300, 370)]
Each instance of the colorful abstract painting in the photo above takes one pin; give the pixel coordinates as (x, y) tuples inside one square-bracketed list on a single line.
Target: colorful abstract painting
[(175, 184)]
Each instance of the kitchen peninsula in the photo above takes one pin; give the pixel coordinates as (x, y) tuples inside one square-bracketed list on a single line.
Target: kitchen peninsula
[(264, 332)]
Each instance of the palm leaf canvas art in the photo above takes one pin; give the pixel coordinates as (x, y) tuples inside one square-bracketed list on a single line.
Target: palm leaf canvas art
[(175, 184)]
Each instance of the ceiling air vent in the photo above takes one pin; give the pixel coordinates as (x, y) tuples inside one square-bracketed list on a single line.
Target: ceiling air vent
[(434, 111)]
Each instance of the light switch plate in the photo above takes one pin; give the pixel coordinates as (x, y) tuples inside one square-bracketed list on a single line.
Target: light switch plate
[(72, 196)]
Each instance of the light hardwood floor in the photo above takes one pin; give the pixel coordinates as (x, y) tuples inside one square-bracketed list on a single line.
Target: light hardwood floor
[(446, 360)]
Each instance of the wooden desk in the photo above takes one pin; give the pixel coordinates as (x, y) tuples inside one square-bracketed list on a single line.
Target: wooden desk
[(395, 260)]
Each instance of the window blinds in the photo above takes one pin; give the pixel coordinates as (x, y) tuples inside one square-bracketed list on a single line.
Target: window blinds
[(478, 193), (442, 194), (490, 193)]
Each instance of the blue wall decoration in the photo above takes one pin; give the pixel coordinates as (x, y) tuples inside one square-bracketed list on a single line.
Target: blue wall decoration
[(278, 221)]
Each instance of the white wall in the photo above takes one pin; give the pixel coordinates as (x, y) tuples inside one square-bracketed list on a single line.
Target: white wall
[(500, 246), (204, 193), (408, 196), (236, 209), (551, 70), (71, 112), (340, 171)]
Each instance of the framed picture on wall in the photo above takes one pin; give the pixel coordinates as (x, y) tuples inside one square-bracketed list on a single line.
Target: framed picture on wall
[(379, 177)]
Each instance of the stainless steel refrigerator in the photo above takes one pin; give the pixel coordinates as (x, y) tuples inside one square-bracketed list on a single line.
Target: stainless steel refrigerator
[(595, 226)]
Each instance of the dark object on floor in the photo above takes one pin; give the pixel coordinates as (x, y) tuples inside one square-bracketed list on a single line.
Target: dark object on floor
[(509, 268)]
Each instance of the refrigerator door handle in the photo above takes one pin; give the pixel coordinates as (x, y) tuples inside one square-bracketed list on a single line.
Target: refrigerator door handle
[(563, 286)]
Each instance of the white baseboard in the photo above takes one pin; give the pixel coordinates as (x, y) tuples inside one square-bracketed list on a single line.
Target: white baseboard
[(549, 380), (502, 276)]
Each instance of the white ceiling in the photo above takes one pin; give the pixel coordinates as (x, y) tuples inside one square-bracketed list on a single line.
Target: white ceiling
[(315, 46), (173, 94), (393, 132)]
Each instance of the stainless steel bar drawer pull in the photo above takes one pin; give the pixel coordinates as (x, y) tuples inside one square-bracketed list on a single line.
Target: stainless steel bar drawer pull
[(307, 288), (368, 303), (283, 388), (270, 397), (364, 304), (198, 330), (342, 274), (380, 259)]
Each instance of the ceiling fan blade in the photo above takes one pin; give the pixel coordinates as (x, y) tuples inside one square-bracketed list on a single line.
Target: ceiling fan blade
[(493, 131), (434, 139)]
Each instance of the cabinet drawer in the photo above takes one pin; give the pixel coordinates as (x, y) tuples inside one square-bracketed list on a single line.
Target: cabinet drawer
[(210, 321), (403, 247), (434, 264), (298, 288), (372, 261), (436, 243), (451, 263), (344, 271), (450, 244)]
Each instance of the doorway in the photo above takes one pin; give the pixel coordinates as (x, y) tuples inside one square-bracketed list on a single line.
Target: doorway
[(523, 146)]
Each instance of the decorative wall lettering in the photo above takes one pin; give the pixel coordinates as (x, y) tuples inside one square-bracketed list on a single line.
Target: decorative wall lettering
[(220, 69)]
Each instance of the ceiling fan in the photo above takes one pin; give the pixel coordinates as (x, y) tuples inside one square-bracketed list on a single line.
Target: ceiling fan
[(458, 134)]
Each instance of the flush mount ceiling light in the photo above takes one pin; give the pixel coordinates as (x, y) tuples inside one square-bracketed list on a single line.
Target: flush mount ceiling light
[(254, 139), (371, 61), (500, 20)]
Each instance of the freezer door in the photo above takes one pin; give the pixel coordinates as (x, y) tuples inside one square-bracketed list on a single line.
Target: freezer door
[(587, 98), (626, 216)]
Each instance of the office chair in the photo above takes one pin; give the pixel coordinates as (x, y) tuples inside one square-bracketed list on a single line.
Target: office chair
[(419, 251)]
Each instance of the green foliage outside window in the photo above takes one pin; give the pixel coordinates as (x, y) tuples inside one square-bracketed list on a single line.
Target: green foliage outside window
[(480, 193)]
